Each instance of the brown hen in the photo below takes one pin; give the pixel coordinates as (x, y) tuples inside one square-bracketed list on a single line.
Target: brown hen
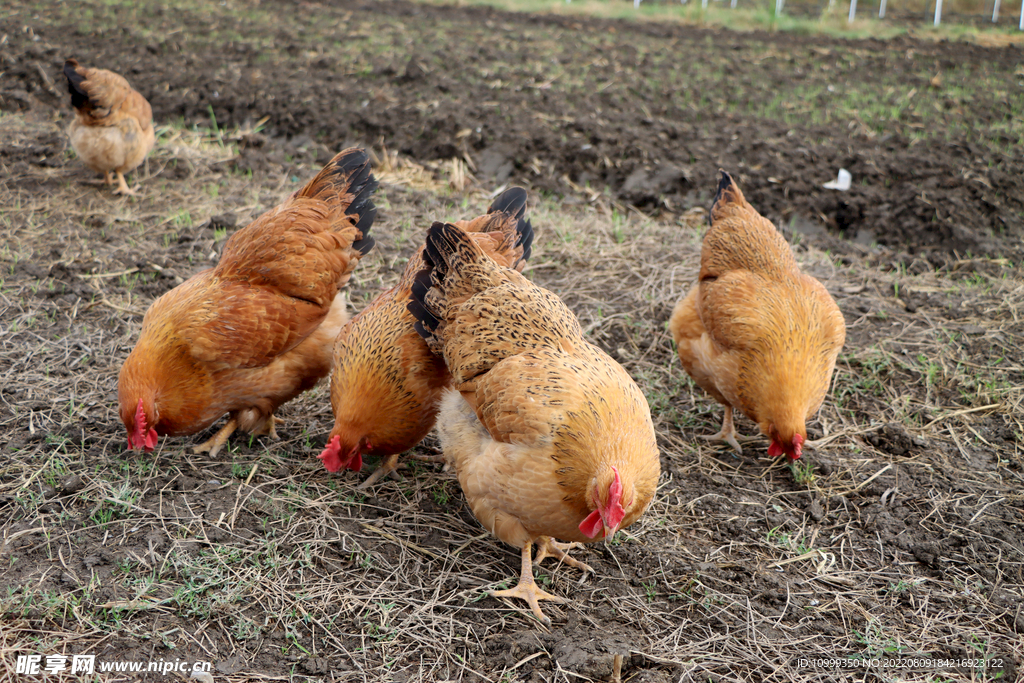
[(755, 332), (549, 436), (113, 125), (385, 382), (257, 330)]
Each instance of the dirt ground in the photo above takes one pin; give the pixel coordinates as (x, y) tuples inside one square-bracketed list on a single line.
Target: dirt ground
[(903, 541)]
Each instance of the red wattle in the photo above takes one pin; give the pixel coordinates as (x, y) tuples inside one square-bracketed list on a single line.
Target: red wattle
[(592, 525), (356, 463)]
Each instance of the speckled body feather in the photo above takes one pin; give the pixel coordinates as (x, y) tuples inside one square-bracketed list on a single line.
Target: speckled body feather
[(755, 332), (256, 330)]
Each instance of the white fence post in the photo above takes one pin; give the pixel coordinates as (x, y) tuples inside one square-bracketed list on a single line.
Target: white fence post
[(995, 11), (703, 4), (1021, 27), (779, 4), (853, 11), (938, 12), (881, 9)]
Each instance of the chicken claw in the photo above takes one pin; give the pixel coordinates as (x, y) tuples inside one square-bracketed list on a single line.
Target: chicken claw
[(549, 547), (218, 440), (270, 428), (122, 186), (727, 433), (527, 589), (388, 466)]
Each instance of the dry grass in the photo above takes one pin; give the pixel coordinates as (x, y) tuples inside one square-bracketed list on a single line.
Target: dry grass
[(904, 538)]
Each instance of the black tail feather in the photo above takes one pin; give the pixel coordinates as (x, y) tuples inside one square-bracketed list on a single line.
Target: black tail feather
[(352, 168), (526, 238), (433, 260), (725, 182), (79, 97), (512, 201), (426, 322), (433, 255)]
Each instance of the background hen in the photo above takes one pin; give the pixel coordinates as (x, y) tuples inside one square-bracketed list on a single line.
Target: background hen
[(385, 383), (755, 332), (255, 331), (549, 436), (113, 125)]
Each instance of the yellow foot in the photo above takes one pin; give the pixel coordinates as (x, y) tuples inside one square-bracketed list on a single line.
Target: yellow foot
[(218, 440), (727, 433), (270, 428), (527, 589), (549, 547), (122, 186), (387, 467)]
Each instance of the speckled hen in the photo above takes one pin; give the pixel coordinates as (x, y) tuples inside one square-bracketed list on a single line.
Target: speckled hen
[(549, 436)]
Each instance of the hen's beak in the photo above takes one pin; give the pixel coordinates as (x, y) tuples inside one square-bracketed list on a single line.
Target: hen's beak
[(610, 529)]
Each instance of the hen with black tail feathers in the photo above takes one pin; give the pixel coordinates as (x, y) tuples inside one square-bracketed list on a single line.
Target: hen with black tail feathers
[(550, 437), (254, 332), (112, 131), (757, 334)]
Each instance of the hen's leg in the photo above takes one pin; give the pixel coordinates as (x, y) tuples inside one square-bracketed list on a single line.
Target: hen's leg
[(728, 432), (122, 186), (218, 440), (269, 428), (549, 547), (389, 465), (438, 459), (527, 588), (107, 180)]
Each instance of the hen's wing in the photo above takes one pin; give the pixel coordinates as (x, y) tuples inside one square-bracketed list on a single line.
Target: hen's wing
[(102, 97), (308, 247), (278, 277)]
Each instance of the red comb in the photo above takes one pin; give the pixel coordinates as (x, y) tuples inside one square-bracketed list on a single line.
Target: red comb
[(331, 455), (140, 419), (615, 490), (615, 511)]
